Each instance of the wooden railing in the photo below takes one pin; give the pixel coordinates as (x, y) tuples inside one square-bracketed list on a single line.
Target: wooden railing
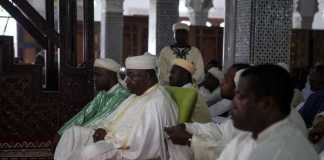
[(30, 114)]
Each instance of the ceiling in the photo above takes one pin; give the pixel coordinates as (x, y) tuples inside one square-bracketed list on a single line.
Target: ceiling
[(141, 7)]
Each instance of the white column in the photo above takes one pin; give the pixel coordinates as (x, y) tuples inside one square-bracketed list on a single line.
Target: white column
[(111, 36), (198, 11), (297, 19), (229, 34), (162, 14), (307, 9), (318, 22)]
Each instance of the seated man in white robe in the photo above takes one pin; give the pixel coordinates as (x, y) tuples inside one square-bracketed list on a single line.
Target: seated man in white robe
[(181, 76), (262, 112), (315, 102), (135, 129), (220, 110), (109, 96), (210, 87), (208, 140), (298, 97)]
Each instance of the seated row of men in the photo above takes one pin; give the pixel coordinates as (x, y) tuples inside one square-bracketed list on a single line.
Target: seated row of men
[(139, 120), (122, 125)]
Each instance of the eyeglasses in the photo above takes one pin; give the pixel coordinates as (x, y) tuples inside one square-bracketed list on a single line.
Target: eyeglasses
[(134, 75)]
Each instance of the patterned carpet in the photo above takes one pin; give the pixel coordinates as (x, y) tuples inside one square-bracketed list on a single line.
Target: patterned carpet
[(26, 151)]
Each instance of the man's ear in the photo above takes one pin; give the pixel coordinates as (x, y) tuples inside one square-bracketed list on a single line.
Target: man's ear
[(267, 104)]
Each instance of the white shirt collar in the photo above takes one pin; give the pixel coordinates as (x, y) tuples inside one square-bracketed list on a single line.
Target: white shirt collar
[(268, 132), (149, 90), (188, 85), (205, 90)]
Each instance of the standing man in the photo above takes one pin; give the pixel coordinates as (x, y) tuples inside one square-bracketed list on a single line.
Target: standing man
[(180, 49)]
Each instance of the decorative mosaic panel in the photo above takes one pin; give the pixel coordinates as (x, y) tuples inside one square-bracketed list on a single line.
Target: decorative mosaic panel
[(243, 29), (272, 28), (166, 14), (263, 31)]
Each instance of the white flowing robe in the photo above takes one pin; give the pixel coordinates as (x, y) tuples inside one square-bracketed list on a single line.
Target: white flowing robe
[(209, 140), (167, 57), (200, 113), (219, 108), (205, 93), (210, 97), (134, 131), (281, 141)]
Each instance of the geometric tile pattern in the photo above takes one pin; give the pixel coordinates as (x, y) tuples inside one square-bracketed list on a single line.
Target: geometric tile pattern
[(263, 31), (166, 14)]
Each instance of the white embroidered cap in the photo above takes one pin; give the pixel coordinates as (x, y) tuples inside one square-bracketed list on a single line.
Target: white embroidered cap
[(215, 72), (238, 76), (108, 64), (179, 25), (141, 62)]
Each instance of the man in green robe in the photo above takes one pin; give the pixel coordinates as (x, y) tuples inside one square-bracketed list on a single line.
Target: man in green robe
[(181, 76), (110, 94)]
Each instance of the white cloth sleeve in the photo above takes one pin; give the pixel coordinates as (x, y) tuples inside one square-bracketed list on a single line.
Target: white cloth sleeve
[(72, 141), (164, 66), (199, 74)]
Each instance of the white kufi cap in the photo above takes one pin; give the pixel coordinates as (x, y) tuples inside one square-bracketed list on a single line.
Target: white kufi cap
[(238, 76), (108, 64), (284, 66), (179, 25), (185, 64), (141, 62), (215, 72)]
